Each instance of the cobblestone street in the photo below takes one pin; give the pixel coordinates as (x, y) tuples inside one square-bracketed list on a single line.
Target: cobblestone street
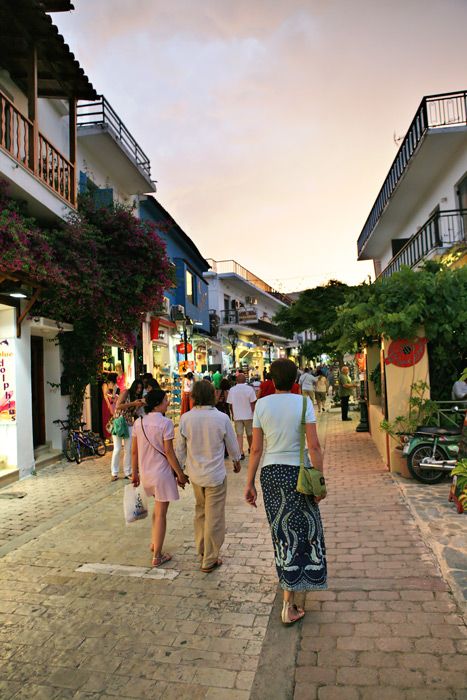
[(388, 627)]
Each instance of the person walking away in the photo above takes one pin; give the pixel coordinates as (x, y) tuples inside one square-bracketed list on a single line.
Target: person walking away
[(216, 379), (321, 390), (294, 519), (345, 392), (154, 465), (307, 384), (110, 392), (129, 406), (221, 396), (266, 388), (187, 386), (204, 432), (242, 398)]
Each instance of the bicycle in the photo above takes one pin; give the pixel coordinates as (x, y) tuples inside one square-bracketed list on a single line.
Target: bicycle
[(79, 442)]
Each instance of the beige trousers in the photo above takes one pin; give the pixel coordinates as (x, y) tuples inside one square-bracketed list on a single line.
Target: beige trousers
[(209, 521)]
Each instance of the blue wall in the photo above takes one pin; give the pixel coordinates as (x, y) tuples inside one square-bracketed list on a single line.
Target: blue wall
[(184, 258)]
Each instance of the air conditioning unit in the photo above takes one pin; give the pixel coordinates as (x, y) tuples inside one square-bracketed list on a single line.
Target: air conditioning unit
[(251, 301)]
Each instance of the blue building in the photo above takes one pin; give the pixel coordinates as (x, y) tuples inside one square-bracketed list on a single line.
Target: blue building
[(191, 291)]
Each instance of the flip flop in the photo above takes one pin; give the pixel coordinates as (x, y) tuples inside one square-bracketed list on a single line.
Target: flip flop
[(163, 559), (216, 565)]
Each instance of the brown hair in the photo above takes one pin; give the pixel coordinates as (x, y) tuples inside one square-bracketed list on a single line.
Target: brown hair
[(283, 374), (203, 393)]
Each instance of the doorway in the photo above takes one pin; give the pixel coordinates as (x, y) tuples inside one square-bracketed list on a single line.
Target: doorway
[(37, 390)]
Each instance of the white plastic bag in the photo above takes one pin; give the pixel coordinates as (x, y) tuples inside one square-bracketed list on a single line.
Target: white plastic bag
[(135, 503)]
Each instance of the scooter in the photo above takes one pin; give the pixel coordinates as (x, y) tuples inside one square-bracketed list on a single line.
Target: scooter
[(432, 453)]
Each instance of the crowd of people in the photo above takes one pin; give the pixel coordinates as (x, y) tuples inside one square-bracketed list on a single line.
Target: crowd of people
[(218, 412)]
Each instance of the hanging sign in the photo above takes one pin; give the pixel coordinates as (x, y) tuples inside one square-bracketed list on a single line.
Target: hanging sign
[(181, 348), (405, 353), (7, 381)]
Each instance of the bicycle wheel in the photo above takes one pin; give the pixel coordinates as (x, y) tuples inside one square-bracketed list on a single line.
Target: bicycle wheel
[(99, 446), (70, 449)]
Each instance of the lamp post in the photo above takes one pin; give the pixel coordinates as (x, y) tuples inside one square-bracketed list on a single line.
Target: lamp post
[(233, 340), (267, 346)]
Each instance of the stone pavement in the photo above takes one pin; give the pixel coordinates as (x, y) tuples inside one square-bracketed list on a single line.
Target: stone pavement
[(388, 627)]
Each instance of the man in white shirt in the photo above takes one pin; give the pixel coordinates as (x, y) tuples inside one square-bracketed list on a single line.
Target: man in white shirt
[(307, 383), (242, 397)]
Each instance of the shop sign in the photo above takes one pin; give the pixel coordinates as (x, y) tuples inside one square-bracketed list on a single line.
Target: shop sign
[(7, 382), (406, 353), (247, 315), (181, 348)]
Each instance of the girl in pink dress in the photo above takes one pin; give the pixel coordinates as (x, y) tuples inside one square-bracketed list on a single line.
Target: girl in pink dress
[(156, 467)]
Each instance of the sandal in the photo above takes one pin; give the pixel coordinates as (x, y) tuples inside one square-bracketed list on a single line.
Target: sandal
[(285, 615), (114, 478), (216, 565), (163, 559)]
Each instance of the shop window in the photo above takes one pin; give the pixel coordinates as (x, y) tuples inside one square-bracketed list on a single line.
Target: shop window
[(190, 281)]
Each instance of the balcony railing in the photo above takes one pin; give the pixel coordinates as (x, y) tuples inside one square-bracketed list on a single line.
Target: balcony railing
[(434, 112), (231, 266), (248, 317), (443, 230), (30, 148), (100, 113)]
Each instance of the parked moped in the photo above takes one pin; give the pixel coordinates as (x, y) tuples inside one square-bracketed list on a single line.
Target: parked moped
[(432, 453)]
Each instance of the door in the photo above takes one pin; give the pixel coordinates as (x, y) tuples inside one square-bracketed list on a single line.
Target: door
[(37, 390)]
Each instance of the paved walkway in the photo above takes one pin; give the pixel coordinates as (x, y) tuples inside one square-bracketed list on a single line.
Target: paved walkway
[(387, 628)]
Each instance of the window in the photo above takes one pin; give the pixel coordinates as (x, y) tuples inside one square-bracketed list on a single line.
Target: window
[(190, 281)]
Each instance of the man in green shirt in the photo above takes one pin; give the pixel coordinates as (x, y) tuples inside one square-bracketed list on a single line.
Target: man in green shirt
[(216, 379), (346, 387)]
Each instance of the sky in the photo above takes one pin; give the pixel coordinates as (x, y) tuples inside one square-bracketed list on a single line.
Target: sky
[(270, 124)]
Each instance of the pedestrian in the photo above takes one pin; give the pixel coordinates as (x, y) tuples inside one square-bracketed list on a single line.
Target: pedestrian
[(216, 379), (307, 384), (129, 405), (242, 398), (266, 388), (222, 395), (204, 432), (294, 519), (459, 391), (321, 390), (345, 392), (121, 377), (149, 383), (155, 465), (110, 392), (187, 386)]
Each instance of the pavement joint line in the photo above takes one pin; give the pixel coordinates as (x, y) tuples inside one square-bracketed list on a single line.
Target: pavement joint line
[(128, 571), (56, 520)]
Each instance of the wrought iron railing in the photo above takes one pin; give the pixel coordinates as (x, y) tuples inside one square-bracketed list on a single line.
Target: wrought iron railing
[(435, 111), (442, 230), (231, 266), (101, 113), (30, 148)]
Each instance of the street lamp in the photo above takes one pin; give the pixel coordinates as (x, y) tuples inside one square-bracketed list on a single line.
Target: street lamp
[(267, 346), (233, 340)]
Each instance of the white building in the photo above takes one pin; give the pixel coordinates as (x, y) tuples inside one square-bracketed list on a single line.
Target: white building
[(421, 209), (245, 305), (40, 83)]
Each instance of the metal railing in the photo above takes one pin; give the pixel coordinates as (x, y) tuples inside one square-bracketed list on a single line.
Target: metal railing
[(101, 113), (231, 266), (435, 111), (20, 138), (442, 230)]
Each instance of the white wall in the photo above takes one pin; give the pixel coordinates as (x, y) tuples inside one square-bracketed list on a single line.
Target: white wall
[(235, 288), (53, 122), (443, 194), (100, 173)]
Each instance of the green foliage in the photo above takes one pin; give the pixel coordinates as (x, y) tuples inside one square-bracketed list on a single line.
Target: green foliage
[(434, 297), (375, 377), (315, 309), (422, 411)]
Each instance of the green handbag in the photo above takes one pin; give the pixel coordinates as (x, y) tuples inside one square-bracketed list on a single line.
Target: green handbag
[(120, 427), (310, 481)]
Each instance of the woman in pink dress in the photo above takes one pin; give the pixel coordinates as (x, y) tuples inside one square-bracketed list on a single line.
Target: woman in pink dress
[(156, 467)]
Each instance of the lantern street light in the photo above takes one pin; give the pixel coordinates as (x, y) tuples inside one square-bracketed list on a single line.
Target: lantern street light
[(233, 340), (268, 346)]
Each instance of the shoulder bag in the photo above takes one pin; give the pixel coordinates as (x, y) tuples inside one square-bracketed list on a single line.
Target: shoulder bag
[(310, 481)]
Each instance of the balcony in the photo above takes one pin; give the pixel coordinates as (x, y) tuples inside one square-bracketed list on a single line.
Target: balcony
[(248, 318), (229, 267), (21, 140), (435, 113), (98, 121), (443, 230)]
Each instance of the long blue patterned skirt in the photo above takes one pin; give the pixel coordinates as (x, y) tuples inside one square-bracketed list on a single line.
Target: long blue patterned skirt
[(296, 529)]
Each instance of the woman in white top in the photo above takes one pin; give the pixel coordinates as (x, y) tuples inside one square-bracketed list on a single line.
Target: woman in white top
[(204, 434), (294, 519)]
